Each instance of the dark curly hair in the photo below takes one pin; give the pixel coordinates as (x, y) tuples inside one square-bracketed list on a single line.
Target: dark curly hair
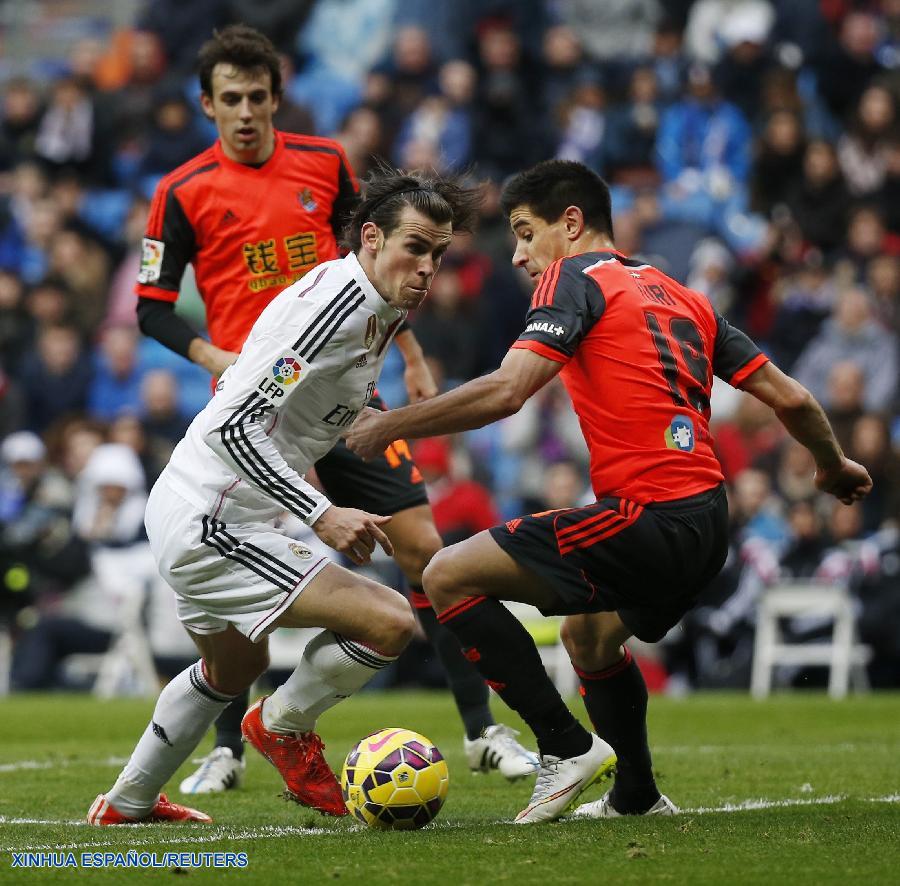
[(443, 198), (243, 47)]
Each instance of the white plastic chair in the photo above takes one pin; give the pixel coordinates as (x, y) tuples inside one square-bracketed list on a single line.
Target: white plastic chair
[(845, 657)]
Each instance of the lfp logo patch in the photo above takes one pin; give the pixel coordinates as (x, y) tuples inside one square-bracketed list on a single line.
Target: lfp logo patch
[(286, 371), (680, 434)]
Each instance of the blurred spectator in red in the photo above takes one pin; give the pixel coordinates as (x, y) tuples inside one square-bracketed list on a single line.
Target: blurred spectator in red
[(461, 506), (750, 438)]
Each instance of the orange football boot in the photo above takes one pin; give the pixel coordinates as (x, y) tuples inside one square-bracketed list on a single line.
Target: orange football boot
[(298, 757), (102, 812)]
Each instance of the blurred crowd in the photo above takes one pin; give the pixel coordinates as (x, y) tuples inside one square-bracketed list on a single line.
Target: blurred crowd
[(753, 152)]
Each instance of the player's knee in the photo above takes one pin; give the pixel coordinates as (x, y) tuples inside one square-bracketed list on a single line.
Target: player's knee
[(589, 650), (439, 580), (394, 627), (413, 554)]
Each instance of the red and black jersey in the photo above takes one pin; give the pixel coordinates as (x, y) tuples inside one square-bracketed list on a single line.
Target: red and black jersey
[(640, 351), (249, 231)]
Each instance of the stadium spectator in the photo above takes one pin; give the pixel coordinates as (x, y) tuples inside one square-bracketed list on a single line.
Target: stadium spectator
[(108, 514), (20, 116), (863, 148), (851, 334), (778, 162), (629, 143), (689, 156), (55, 378), (818, 201), (117, 375)]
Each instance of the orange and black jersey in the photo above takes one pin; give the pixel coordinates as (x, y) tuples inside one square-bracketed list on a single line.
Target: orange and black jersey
[(249, 231), (640, 351)]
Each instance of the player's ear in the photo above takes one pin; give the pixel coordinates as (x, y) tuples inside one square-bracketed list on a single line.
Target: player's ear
[(371, 237), (207, 105), (573, 219)]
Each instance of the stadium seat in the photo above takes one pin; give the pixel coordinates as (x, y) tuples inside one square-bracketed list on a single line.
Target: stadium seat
[(126, 668), (842, 654)]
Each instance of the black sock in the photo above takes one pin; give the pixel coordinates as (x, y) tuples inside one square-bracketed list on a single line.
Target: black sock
[(228, 725), (469, 690), (616, 702), (494, 640)]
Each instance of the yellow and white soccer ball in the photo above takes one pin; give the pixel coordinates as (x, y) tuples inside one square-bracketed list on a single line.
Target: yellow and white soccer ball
[(394, 779)]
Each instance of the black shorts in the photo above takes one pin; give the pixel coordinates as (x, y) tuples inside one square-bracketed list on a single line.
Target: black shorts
[(648, 564), (385, 485)]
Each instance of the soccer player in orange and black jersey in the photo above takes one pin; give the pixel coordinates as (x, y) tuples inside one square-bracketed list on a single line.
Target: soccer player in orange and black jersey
[(253, 213), (637, 353)]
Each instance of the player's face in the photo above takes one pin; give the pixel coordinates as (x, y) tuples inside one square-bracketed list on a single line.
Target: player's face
[(405, 262), (241, 106), (538, 244)]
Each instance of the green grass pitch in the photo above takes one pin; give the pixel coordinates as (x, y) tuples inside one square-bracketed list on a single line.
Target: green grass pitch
[(797, 789)]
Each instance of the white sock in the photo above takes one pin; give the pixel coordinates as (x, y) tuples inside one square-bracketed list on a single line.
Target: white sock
[(331, 669), (185, 709)]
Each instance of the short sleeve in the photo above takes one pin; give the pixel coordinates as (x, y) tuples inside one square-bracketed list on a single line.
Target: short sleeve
[(565, 306), (735, 355)]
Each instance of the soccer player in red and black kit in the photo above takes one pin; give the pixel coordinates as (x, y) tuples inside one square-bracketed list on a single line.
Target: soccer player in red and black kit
[(254, 213), (637, 352)]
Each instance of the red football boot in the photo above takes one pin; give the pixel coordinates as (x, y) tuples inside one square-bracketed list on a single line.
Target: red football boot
[(102, 812), (298, 757)]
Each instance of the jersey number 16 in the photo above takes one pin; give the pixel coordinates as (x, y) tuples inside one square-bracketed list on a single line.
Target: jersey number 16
[(684, 331)]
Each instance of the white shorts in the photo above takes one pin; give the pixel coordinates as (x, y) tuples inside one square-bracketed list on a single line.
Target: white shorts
[(245, 574)]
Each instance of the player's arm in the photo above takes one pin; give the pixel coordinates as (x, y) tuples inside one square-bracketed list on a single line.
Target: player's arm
[(239, 435), (472, 405), (739, 361), (169, 244), (807, 423), (157, 319), (420, 384)]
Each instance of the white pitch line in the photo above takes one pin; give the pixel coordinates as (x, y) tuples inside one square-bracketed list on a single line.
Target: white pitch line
[(24, 765), (269, 832)]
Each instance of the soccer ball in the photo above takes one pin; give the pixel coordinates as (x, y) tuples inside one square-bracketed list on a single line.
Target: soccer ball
[(394, 779)]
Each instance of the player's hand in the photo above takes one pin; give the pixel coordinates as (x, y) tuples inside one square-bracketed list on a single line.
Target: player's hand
[(214, 360), (848, 482), (420, 383), (353, 533), (367, 437)]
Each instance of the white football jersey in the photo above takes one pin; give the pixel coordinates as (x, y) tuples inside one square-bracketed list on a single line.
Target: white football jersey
[(307, 368)]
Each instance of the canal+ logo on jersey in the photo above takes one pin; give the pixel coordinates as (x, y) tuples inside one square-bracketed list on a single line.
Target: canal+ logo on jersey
[(680, 434), (286, 371)]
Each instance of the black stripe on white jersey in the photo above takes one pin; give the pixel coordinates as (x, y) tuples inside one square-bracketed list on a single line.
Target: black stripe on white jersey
[(293, 499), (360, 654), (327, 322), (337, 324), (265, 565), (310, 330), (248, 459)]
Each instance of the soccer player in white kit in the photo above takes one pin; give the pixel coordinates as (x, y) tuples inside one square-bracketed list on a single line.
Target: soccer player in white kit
[(308, 367)]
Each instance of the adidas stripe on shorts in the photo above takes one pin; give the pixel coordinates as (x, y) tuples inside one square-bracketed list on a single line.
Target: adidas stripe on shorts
[(245, 574)]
